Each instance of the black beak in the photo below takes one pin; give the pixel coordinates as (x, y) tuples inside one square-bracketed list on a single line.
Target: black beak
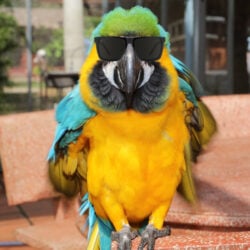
[(129, 73)]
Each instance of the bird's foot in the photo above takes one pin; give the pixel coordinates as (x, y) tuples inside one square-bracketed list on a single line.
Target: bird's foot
[(150, 234), (124, 237)]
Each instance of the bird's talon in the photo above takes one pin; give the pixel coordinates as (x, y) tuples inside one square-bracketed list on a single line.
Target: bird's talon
[(150, 234), (124, 237)]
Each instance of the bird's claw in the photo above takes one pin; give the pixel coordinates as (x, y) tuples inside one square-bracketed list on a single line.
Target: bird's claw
[(150, 234), (124, 237)]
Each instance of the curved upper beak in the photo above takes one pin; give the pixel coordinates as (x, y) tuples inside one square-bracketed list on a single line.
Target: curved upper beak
[(129, 73)]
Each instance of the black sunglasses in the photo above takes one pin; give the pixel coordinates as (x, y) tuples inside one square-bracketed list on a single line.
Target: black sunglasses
[(112, 48)]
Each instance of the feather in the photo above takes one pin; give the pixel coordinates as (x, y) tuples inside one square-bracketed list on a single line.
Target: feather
[(200, 123), (186, 186), (99, 234), (185, 73), (71, 114), (94, 240), (209, 124), (66, 168), (61, 183)]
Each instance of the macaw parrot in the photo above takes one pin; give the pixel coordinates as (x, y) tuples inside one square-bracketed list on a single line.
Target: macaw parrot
[(129, 130)]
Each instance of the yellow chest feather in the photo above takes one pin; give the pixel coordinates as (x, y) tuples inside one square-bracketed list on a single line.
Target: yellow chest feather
[(133, 155)]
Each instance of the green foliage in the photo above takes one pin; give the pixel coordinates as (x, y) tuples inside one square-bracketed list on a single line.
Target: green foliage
[(90, 22), (8, 41), (40, 38), (54, 48), (51, 41), (6, 3), (8, 32)]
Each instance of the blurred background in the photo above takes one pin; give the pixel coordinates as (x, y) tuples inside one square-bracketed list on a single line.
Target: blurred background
[(44, 42)]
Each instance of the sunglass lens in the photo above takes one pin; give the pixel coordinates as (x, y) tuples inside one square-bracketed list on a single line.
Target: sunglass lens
[(149, 48), (110, 48)]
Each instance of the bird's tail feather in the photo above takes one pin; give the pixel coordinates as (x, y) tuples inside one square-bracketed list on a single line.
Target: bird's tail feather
[(99, 235), (105, 230), (94, 239)]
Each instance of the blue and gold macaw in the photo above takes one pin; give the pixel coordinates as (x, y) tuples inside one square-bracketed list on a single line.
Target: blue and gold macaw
[(127, 133)]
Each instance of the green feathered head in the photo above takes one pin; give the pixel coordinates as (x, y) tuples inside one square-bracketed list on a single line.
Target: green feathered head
[(138, 21), (127, 67)]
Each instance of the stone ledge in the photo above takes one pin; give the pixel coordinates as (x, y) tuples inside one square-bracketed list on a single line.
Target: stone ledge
[(61, 235)]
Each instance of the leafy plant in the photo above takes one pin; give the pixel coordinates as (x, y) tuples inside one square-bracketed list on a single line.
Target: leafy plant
[(54, 48), (8, 41)]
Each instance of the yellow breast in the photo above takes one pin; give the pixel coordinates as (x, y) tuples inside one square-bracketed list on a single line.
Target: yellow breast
[(138, 157)]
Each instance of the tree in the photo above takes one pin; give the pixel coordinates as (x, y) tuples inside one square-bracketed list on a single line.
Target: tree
[(8, 41)]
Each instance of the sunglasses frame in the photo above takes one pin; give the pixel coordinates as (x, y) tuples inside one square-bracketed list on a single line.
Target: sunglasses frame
[(128, 40)]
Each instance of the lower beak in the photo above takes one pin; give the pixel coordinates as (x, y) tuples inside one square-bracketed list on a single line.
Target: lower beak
[(129, 73)]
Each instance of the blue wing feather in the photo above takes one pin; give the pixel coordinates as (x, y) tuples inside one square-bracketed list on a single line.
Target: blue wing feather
[(60, 131), (199, 121), (186, 75), (188, 91), (71, 114)]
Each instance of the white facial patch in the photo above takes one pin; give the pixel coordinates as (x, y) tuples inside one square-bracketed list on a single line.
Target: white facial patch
[(148, 71), (109, 70)]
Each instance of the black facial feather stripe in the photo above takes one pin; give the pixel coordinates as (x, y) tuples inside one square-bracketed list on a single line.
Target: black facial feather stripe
[(110, 97), (150, 96)]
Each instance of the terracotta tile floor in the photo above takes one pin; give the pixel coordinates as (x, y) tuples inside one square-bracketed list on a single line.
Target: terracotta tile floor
[(11, 218)]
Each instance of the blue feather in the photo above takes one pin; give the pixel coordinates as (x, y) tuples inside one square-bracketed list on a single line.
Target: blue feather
[(105, 227), (72, 111), (71, 114), (58, 134), (87, 206), (186, 75), (187, 90)]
